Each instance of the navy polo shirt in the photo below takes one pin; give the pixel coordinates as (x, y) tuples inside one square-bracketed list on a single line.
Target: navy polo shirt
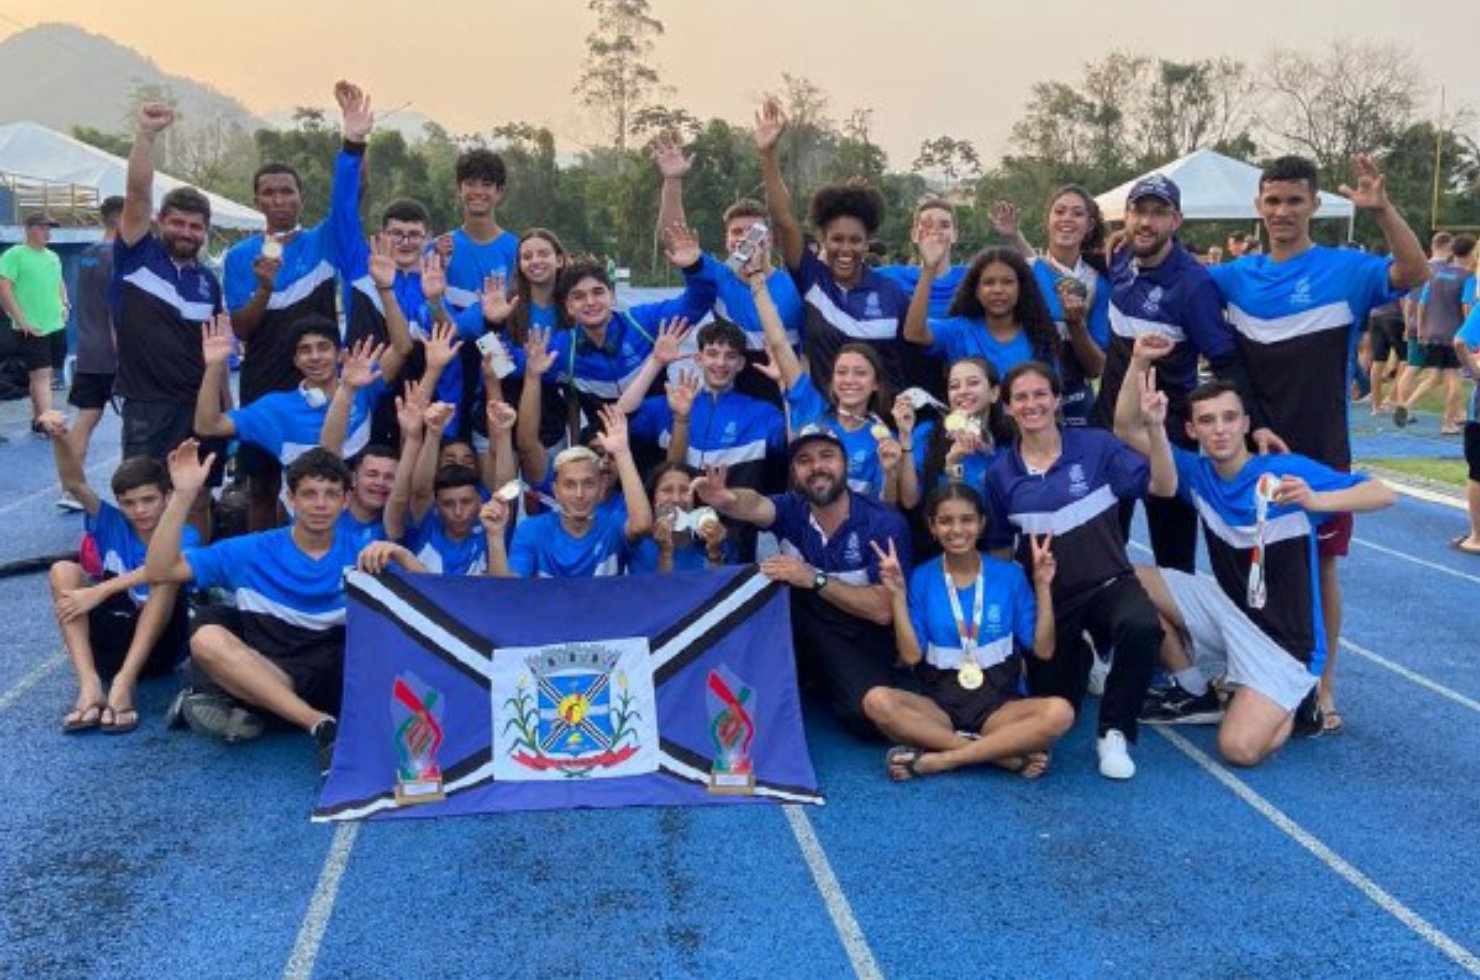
[(158, 309)]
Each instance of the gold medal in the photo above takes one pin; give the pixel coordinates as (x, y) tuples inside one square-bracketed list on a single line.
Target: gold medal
[(272, 249), (956, 422), (880, 431), (970, 676)]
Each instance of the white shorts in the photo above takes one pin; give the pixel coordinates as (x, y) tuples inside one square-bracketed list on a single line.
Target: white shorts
[(1225, 641)]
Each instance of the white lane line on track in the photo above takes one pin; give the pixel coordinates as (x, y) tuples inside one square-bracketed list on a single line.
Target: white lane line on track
[(33, 677), (1403, 555), (321, 905), (1424, 494), (1369, 888), (849, 932), (103, 465), (1413, 676), (1407, 674)]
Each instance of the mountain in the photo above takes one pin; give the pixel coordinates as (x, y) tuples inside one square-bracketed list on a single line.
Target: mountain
[(60, 76)]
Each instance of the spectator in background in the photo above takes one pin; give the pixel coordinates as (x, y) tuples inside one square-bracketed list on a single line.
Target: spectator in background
[(97, 352), (1467, 346), (35, 298), (1443, 304)]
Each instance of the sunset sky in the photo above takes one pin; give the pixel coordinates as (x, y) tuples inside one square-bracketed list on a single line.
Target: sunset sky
[(964, 71)]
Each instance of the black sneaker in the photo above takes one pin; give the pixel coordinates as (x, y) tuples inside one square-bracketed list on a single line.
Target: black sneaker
[(1310, 719), (324, 734), (221, 716), (1175, 706), (174, 718)]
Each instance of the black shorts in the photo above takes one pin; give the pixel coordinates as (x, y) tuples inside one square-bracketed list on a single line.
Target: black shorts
[(1387, 337), (41, 353), (968, 710), (91, 392), (1440, 356), (111, 626), (315, 669), (1472, 449), (155, 429)]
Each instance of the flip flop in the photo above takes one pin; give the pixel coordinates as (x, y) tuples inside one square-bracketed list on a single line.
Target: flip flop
[(118, 721), (1029, 766), (1332, 725), (900, 763), (83, 719), (1458, 544)]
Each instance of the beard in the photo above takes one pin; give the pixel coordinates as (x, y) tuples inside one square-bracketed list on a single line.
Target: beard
[(181, 249), (826, 495)]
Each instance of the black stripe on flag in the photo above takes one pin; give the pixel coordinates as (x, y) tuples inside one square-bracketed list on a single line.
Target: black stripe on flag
[(717, 631), (431, 611), (696, 761), (457, 771), (736, 582)]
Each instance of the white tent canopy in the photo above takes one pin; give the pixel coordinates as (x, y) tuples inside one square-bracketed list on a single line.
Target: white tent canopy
[(1215, 187), (31, 151)]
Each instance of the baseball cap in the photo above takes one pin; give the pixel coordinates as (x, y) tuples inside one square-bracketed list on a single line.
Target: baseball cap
[(1155, 186), (812, 433), (39, 218)]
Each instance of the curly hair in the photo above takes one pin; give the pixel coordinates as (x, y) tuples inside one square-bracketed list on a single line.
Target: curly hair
[(834, 201)]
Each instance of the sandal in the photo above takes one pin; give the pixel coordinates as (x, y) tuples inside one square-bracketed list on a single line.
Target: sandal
[(1458, 544), (84, 718), (1029, 766), (1331, 722), (118, 721), (901, 762)]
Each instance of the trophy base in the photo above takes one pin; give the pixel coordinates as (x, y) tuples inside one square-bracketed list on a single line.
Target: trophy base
[(412, 791), (732, 783)]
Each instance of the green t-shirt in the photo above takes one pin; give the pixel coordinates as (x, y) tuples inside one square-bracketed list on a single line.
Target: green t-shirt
[(36, 276)]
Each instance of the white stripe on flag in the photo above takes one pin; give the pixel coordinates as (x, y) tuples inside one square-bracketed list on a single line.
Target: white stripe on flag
[(708, 621), (475, 660)]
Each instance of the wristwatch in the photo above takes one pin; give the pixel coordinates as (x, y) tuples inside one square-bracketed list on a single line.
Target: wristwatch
[(819, 581)]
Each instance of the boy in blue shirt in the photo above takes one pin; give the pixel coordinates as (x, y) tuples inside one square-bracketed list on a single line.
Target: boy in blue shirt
[(281, 648), (1260, 518), (115, 628)]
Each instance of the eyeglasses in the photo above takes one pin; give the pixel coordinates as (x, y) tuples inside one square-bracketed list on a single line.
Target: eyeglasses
[(397, 235)]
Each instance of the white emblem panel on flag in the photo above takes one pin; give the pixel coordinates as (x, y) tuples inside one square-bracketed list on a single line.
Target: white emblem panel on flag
[(574, 711)]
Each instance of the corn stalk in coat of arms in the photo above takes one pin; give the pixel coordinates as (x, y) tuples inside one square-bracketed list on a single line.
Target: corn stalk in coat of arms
[(566, 714)]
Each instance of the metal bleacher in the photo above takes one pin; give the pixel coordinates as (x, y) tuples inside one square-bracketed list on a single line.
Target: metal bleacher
[(73, 205)]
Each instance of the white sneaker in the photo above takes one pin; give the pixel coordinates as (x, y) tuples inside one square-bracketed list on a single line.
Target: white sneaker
[(68, 502), (1115, 758)]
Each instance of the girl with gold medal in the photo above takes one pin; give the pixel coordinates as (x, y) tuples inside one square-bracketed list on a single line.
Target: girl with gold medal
[(962, 622)]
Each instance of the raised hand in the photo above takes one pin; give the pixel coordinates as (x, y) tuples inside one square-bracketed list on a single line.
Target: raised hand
[(769, 368), (614, 437), (1072, 299), (216, 340), (681, 245), (934, 248), (436, 417), (891, 573), (1004, 219), (443, 246), (1151, 346), (154, 118), (669, 158), (1370, 194), (1153, 400), (663, 531), (681, 394), (904, 415), (963, 444), (770, 123), (360, 364), (711, 488), (410, 407), (442, 346), (757, 269), (265, 271), (890, 455), (501, 416), (1044, 562), (354, 111), (494, 516), (668, 345), (538, 358), (382, 262), (433, 277), (497, 304), (188, 472)]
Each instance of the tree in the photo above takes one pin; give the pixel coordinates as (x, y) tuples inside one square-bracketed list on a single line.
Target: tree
[(953, 159), (308, 148), (1190, 105), (809, 138), (619, 77), (855, 154), (117, 144), (1356, 97)]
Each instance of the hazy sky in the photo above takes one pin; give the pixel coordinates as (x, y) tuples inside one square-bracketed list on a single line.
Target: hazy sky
[(965, 69)]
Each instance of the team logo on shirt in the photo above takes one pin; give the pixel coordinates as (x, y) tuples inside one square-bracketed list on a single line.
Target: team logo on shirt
[(994, 618), (1301, 295), (1152, 303), (580, 709), (853, 550), (871, 308), (730, 434), (1078, 485)]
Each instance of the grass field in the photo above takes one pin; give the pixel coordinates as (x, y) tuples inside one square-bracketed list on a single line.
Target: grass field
[(1450, 472)]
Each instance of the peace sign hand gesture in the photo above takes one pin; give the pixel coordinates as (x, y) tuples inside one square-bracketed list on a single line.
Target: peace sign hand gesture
[(891, 572), (1044, 562)]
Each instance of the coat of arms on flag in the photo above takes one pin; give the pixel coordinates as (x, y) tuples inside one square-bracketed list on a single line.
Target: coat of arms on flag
[(546, 693)]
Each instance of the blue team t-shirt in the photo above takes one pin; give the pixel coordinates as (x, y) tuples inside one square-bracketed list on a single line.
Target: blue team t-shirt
[(1009, 616), (288, 424), (543, 548), (273, 580), (429, 541), (957, 337), (121, 549), (808, 407)]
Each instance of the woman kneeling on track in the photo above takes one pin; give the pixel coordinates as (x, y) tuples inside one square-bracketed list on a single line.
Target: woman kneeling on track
[(970, 669)]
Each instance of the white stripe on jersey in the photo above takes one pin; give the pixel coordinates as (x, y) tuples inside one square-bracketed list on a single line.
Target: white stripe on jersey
[(462, 298), (1132, 327), (1286, 527), (252, 601), (365, 286), (753, 341), (1069, 517), (146, 280), (884, 328), (750, 452), (1332, 316), (988, 655), (299, 291)]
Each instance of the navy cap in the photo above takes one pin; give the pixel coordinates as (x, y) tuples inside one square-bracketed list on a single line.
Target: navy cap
[(40, 219), (812, 433), (1157, 186)]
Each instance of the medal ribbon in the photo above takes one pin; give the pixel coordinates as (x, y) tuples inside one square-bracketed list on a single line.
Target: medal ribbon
[(1258, 594), (968, 632)]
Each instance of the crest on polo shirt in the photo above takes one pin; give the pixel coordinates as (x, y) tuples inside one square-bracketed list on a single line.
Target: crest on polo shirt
[(1300, 296), (994, 618), (871, 308), (730, 433), (1152, 303), (1078, 485), (853, 550)]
